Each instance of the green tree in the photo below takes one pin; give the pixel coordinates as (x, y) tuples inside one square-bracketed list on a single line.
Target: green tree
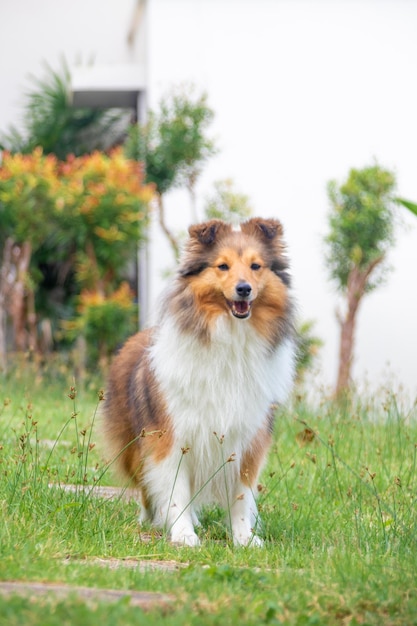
[(361, 231), (174, 147)]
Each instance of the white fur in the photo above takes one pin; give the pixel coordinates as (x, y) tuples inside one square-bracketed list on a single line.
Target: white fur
[(225, 387)]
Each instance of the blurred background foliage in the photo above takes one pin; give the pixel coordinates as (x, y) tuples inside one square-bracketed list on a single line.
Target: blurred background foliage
[(76, 190), (79, 222), (361, 233), (50, 121)]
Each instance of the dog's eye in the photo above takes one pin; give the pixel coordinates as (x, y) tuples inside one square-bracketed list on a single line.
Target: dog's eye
[(223, 267), (255, 266)]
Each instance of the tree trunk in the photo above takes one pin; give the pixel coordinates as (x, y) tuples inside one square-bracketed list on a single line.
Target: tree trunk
[(21, 258), (171, 238), (32, 331), (95, 282), (347, 333), (356, 286), (193, 197), (5, 287), (3, 361)]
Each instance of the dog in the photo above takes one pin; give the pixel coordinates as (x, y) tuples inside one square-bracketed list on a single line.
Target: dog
[(188, 405)]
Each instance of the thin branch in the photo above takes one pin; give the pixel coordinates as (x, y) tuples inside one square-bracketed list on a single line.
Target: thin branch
[(171, 237)]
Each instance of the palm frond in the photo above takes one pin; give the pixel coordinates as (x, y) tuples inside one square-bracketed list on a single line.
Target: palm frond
[(50, 121), (411, 206)]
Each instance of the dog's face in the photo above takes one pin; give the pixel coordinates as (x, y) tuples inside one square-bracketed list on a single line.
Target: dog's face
[(240, 276), (236, 272)]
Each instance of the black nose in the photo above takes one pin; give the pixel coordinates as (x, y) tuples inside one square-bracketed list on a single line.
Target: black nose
[(243, 290)]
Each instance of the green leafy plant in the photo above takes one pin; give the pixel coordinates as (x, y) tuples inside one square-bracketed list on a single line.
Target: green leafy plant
[(411, 206), (361, 231), (104, 322), (174, 147), (227, 204), (52, 123), (308, 347)]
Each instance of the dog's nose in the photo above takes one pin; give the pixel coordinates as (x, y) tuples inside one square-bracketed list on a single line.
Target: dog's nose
[(243, 290)]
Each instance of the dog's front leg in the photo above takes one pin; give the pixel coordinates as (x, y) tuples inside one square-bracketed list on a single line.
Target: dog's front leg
[(174, 507), (179, 517), (245, 519)]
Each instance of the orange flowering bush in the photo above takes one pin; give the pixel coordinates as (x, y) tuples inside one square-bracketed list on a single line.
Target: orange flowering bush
[(82, 217), (28, 184), (103, 204), (94, 204)]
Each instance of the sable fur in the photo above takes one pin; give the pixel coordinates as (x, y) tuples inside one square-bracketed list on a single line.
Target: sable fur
[(221, 353)]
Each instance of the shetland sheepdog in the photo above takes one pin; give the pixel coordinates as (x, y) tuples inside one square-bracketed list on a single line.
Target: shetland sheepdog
[(188, 405)]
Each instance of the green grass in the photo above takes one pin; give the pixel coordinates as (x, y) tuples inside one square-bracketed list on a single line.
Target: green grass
[(339, 519)]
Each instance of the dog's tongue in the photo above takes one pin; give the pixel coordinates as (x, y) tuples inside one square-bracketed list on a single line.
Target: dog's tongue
[(241, 307)]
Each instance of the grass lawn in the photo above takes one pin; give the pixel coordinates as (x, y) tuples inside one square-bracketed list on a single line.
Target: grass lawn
[(338, 502)]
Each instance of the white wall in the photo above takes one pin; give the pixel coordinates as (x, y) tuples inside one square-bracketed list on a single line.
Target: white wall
[(302, 90), (36, 31)]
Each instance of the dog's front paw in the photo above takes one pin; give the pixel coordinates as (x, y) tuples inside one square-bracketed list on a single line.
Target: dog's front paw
[(248, 540), (185, 539), (255, 541)]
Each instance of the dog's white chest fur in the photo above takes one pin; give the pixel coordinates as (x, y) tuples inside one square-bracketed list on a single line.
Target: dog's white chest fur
[(225, 386)]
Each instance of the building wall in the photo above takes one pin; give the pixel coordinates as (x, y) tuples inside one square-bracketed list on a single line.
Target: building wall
[(302, 91), (33, 32)]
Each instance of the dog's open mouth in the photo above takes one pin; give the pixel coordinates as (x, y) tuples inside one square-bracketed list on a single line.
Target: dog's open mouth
[(240, 308)]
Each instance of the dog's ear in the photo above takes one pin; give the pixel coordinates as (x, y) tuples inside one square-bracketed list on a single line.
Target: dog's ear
[(208, 232), (199, 246), (267, 229), (270, 232), (280, 267), (191, 268)]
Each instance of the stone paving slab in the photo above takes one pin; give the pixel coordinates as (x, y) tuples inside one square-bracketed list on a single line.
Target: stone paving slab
[(51, 591), (143, 599), (129, 563), (109, 493)]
